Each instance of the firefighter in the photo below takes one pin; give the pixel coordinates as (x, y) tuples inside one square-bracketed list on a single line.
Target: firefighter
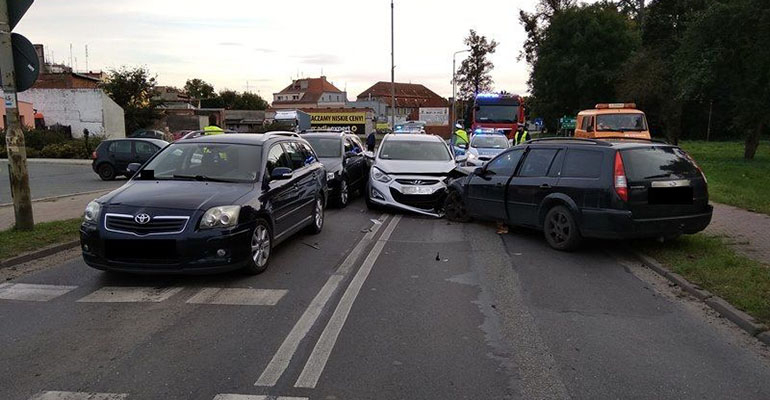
[(522, 135)]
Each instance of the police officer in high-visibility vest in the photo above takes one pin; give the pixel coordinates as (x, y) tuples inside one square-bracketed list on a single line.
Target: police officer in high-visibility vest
[(212, 128), (461, 136), (522, 135)]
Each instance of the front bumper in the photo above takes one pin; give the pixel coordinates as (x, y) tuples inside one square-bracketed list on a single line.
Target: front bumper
[(392, 194), (190, 252), (616, 224)]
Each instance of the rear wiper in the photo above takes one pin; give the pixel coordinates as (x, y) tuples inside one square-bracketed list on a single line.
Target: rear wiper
[(202, 178), (658, 176)]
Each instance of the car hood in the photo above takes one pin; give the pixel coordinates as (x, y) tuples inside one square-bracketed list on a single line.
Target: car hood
[(487, 152), (332, 164), (415, 167), (182, 195)]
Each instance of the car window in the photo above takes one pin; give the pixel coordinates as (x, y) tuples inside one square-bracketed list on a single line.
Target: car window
[(326, 147), (657, 162), (582, 164), (537, 162), (348, 145), (295, 154), (276, 158), (555, 169), (309, 152), (506, 163), (145, 148), (356, 142), (120, 146)]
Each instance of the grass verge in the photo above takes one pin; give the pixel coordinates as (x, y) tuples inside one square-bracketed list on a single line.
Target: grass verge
[(733, 180), (14, 243), (710, 262)]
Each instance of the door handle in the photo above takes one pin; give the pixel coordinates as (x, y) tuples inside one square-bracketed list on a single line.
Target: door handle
[(545, 186)]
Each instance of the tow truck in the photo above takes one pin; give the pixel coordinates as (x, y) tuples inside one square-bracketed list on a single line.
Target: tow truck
[(612, 120)]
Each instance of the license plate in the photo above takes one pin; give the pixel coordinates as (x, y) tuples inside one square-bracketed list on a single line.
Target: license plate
[(416, 190)]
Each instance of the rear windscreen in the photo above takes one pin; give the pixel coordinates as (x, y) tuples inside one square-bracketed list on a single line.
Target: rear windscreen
[(657, 162)]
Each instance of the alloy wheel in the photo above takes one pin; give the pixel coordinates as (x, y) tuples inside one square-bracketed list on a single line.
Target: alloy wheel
[(319, 213), (559, 227), (260, 246), (344, 192)]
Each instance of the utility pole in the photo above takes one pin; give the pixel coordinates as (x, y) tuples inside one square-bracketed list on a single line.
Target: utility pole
[(392, 69), (14, 139), (454, 86), (708, 130)]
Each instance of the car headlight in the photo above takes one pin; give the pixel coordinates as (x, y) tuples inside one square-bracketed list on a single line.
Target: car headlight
[(471, 156), (330, 175), (93, 209), (380, 176), (220, 217)]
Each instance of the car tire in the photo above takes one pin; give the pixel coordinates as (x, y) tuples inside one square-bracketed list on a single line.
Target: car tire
[(561, 230), (343, 194), (261, 246), (106, 172), (454, 207), (317, 220)]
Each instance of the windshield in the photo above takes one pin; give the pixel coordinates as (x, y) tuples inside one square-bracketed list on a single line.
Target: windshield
[(326, 147), (489, 142), (414, 150), (621, 122), (207, 161), (658, 162), (497, 113)]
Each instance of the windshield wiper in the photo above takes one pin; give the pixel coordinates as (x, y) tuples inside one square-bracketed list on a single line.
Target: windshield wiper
[(658, 176), (202, 178)]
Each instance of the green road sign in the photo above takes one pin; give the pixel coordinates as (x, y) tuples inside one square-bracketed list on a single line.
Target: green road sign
[(567, 122)]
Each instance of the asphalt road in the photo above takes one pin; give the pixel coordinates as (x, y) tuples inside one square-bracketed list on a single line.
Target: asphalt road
[(417, 309), (47, 180)]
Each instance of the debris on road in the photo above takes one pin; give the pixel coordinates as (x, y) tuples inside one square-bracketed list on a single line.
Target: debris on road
[(314, 245)]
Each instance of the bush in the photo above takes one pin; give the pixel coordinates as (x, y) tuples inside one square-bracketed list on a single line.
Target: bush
[(31, 153), (71, 149)]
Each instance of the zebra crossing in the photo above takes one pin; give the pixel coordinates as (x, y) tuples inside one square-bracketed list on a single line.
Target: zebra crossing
[(57, 395), (28, 292)]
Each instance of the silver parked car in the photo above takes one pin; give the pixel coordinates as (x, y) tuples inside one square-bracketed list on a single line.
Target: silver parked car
[(410, 172)]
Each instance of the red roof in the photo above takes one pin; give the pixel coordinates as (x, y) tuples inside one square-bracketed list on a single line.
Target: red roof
[(314, 88), (408, 95)]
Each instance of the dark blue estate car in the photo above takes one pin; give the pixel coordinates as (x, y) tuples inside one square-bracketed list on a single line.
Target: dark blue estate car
[(210, 204)]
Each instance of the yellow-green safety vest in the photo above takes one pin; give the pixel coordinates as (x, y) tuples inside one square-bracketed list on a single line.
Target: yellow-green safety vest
[(213, 130), (522, 136)]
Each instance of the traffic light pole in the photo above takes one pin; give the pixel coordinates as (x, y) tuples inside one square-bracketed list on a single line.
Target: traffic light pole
[(14, 139)]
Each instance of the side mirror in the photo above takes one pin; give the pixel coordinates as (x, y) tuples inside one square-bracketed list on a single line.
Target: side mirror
[(132, 169), (369, 155), (280, 173), (479, 171)]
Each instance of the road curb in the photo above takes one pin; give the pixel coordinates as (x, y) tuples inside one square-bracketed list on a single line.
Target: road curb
[(37, 254), (718, 304), (61, 196), (70, 161)]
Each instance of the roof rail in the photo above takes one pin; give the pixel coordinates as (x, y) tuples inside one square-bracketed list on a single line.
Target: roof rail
[(569, 139), (282, 133), (634, 138)]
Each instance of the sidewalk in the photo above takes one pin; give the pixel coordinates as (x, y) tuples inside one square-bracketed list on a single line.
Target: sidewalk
[(748, 232), (51, 210)]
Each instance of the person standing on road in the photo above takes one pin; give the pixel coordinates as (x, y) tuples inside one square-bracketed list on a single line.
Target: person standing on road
[(371, 139), (522, 135), (212, 128), (461, 136)]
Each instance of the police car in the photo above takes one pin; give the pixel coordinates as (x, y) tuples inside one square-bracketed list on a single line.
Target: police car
[(485, 145)]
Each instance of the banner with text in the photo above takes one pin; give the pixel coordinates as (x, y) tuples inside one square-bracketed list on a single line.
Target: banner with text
[(435, 116), (354, 121)]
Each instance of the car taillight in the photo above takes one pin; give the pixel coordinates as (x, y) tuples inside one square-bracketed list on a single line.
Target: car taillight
[(621, 183), (93, 156)]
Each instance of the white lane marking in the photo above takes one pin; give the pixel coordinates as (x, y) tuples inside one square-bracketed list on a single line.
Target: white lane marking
[(125, 294), (78, 396), (255, 397), (282, 357), (350, 260), (238, 296), (32, 292), (320, 355)]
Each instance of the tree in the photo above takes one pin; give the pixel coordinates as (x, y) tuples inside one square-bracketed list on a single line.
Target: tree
[(232, 100), (536, 22), (199, 89), (733, 65), (133, 90), (251, 101), (473, 76), (578, 60)]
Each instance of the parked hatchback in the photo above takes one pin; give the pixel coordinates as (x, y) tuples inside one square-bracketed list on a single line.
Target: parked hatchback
[(211, 204), (112, 157), (343, 156), (576, 188)]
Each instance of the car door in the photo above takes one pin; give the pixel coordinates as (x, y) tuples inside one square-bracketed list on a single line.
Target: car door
[(486, 191), (354, 161), (303, 180), (143, 151), (530, 185), (121, 153), (280, 193)]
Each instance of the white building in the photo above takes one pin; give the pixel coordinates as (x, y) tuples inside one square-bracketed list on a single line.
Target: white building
[(79, 109)]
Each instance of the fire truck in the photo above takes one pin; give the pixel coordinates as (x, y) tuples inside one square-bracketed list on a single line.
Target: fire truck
[(501, 112)]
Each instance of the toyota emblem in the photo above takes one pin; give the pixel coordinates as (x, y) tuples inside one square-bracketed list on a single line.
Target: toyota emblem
[(142, 219)]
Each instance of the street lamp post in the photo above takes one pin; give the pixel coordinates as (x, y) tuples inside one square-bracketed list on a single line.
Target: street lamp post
[(454, 85)]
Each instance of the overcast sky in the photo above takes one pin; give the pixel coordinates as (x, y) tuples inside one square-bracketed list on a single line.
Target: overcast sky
[(267, 43)]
